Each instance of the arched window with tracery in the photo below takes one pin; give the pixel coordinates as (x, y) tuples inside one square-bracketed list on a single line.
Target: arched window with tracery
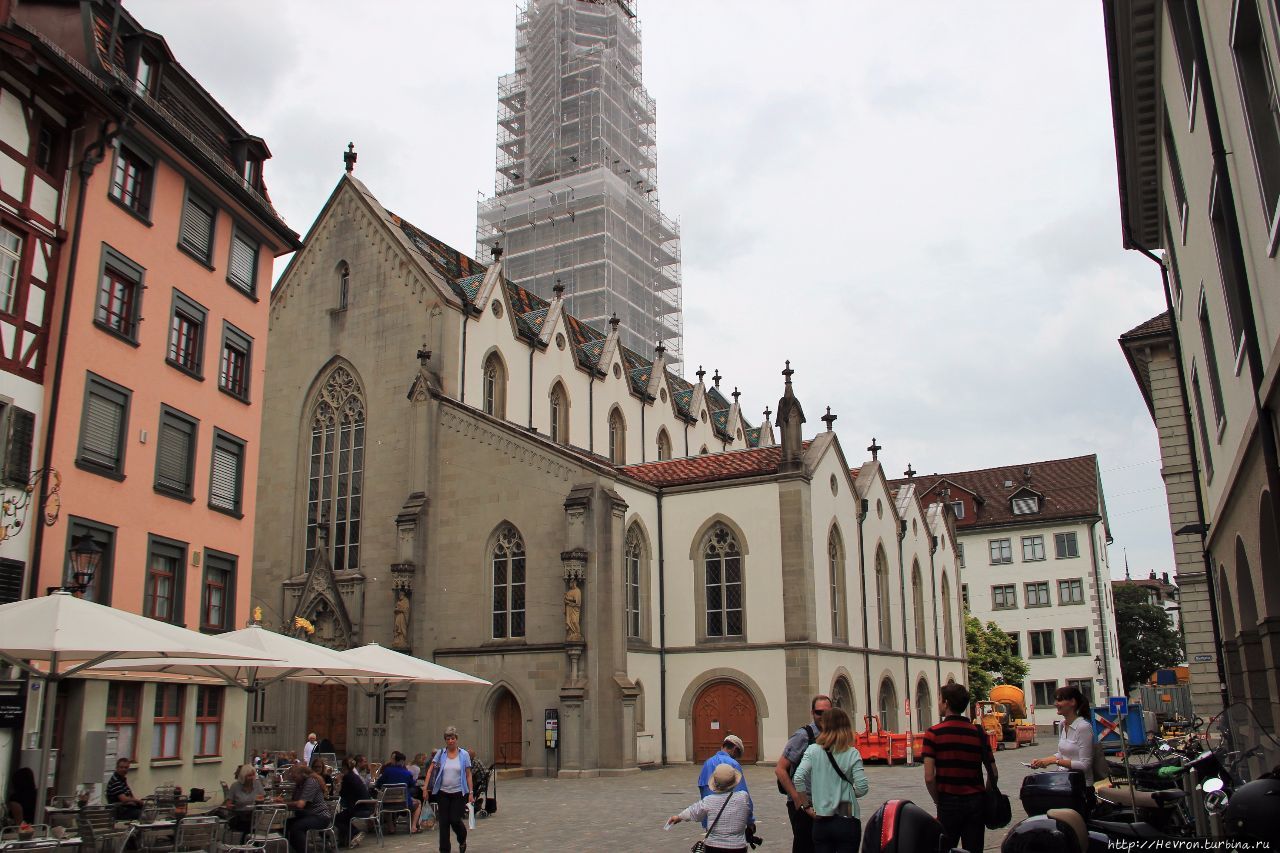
[(617, 438), (558, 427), (336, 477), (633, 562), (493, 395), (882, 600), (917, 605), (722, 567), (835, 570), (948, 641), (664, 445), (507, 562)]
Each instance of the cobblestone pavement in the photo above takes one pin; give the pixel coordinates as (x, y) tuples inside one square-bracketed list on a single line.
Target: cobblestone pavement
[(627, 813)]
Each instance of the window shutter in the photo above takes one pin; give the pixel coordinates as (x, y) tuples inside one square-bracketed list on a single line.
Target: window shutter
[(103, 419), (244, 260), (17, 463), (11, 572), (173, 458), (225, 491), (197, 227)]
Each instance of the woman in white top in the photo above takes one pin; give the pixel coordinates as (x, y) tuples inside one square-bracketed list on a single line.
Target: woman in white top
[(726, 810), (1075, 741)]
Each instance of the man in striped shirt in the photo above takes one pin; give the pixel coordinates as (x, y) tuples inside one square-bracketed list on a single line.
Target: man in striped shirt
[(955, 751)]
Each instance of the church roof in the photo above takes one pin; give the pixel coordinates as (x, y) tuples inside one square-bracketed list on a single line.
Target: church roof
[(446, 260), (708, 467)]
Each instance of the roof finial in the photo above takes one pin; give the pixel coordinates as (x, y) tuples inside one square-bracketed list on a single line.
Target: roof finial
[(700, 373), (559, 288), (715, 377), (874, 449), (424, 354), (788, 372), (660, 349), (614, 321), (736, 394), (828, 418), (350, 157), (767, 414), (496, 251), (910, 472)]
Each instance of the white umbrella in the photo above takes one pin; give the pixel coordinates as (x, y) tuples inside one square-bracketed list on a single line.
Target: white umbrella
[(401, 669), (58, 636)]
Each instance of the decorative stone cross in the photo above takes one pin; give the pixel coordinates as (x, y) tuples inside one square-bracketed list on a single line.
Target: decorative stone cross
[(910, 472), (829, 418), (424, 354), (874, 450), (350, 157)]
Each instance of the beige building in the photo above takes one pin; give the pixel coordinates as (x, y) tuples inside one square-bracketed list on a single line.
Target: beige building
[(467, 472), (1198, 150)]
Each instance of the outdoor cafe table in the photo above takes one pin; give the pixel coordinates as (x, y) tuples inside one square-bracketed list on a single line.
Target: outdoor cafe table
[(68, 842)]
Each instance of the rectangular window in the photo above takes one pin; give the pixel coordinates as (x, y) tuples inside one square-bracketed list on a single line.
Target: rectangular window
[(1026, 506), (960, 553), (957, 507), (1014, 644), (1175, 276), (1085, 686), (166, 732), (1202, 422), (10, 264), (1037, 594), (1175, 178), (120, 287), (1261, 100), (233, 367), (227, 474), (1043, 692), (1071, 591), (1075, 641), (175, 453), (1001, 551), (186, 334), (103, 426), (242, 268), (1226, 243), (1211, 364), (18, 428), (196, 234), (1041, 643), (123, 702), (166, 578), (131, 181), (12, 573), (208, 721), (1065, 545), (1004, 597), (1032, 548), (964, 595), (1180, 27), (218, 592)]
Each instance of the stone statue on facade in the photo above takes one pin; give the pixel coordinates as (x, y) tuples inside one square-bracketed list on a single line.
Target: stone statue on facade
[(573, 612), (400, 624)]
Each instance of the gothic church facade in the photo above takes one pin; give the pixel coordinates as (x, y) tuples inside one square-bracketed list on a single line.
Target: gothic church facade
[(463, 471)]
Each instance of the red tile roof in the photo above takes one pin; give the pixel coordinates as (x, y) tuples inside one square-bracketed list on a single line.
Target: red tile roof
[(1071, 489), (1157, 325), (708, 467)]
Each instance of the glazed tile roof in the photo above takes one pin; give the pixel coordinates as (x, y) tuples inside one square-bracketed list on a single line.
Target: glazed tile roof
[(1071, 489), (708, 467), (715, 399), (468, 287), (753, 436), (1157, 325), (446, 260)]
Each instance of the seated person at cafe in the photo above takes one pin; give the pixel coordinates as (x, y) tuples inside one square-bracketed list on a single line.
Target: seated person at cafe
[(242, 795), (120, 795), (396, 773), (22, 796), (310, 809), (353, 790)]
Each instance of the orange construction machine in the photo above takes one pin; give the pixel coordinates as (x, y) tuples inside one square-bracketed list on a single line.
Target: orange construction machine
[(1003, 716)]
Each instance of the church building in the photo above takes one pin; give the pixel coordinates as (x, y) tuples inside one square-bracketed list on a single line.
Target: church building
[(464, 471)]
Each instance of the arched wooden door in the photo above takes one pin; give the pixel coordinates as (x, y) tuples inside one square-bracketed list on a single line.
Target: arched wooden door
[(327, 714), (508, 733), (723, 708)]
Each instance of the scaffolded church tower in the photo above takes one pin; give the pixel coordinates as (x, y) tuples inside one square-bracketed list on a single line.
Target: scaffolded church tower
[(575, 196)]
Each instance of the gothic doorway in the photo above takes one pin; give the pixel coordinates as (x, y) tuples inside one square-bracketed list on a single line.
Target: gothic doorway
[(723, 708), (327, 714), (508, 733)]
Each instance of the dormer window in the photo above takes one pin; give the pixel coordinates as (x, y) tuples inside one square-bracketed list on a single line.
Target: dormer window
[(252, 172), (1026, 504), (145, 54), (143, 76), (957, 507)]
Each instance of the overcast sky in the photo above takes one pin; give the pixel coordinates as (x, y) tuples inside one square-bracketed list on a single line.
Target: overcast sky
[(913, 202)]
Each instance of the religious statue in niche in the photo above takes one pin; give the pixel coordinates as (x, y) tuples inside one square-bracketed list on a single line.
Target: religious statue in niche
[(573, 612), (400, 623)]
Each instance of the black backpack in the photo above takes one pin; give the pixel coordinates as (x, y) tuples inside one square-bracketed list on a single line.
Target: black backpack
[(812, 735)]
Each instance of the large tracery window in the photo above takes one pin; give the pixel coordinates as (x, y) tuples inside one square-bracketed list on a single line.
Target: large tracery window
[(835, 566), (508, 583), (882, 600), (336, 479), (634, 555), (722, 559)]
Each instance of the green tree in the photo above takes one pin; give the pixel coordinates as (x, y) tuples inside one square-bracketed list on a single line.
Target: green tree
[(991, 658), (1148, 640)]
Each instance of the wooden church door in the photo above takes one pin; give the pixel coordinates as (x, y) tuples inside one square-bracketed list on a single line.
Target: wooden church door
[(327, 714), (723, 708), (508, 733)]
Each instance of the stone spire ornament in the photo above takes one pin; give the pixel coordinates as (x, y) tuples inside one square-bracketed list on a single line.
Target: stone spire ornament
[(828, 418), (790, 419), (874, 450), (349, 157)]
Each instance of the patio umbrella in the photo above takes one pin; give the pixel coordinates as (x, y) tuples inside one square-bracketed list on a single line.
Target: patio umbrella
[(401, 669), (58, 636)]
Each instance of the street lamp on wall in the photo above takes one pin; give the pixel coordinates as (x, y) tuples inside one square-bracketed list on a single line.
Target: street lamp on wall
[(1097, 663), (82, 564)]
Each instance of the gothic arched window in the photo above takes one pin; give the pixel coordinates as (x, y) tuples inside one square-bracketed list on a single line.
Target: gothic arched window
[(917, 605), (633, 562), (948, 641), (494, 394), (882, 600), (617, 438), (507, 555), (344, 285), (558, 428), (664, 445), (336, 478), (723, 575), (835, 567)]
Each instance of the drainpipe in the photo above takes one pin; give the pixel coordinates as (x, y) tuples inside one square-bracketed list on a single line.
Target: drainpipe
[(1210, 585), (531, 386), (591, 412), (686, 438), (1097, 584), (906, 649), (643, 443), (93, 154), (662, 630), (863, 506)]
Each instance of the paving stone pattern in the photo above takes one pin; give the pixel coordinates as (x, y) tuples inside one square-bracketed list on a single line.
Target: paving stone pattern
[(627, 813)]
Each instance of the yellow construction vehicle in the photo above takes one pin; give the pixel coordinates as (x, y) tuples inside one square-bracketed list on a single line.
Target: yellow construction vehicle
[(1004, 714)]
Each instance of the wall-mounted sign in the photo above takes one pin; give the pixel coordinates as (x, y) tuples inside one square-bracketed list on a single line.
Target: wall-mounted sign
[(12, 709)]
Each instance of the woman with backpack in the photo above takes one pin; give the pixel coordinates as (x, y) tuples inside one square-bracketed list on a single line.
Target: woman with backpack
[(830, 779)]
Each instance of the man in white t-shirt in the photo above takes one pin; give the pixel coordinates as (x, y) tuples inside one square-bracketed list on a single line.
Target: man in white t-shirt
[(309, 748)]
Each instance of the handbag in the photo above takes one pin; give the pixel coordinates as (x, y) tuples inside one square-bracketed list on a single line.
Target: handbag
[(996, 810), (701, 844)]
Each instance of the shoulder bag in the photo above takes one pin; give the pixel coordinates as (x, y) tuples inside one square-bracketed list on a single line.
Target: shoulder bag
[(996, 809), (701, 844), (844, 808)]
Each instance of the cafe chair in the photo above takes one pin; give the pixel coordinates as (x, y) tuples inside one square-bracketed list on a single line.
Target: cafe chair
[(96, 826), (325, 835), (194, 834), (395, 803), (265, 832)]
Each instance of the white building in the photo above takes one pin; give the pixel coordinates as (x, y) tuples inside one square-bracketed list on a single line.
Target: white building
[(1033, 547)]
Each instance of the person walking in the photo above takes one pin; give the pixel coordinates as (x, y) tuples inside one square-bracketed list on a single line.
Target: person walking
[(309, 748), (955, 753), (730, 752), (830, 779), (1075, 738), (727, 809), (801, 823), (450, 780)]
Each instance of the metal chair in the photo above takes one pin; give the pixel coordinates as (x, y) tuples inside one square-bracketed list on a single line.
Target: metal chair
[(194, 834), (266, 829), (326, 834), (373, 820), (97, 828), (39, 832), (395, 802)]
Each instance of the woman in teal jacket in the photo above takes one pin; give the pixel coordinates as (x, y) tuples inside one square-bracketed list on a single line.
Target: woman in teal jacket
[(830, 779)]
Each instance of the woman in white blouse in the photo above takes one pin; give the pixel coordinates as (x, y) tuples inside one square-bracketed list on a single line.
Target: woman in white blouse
[(1075, 741)]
